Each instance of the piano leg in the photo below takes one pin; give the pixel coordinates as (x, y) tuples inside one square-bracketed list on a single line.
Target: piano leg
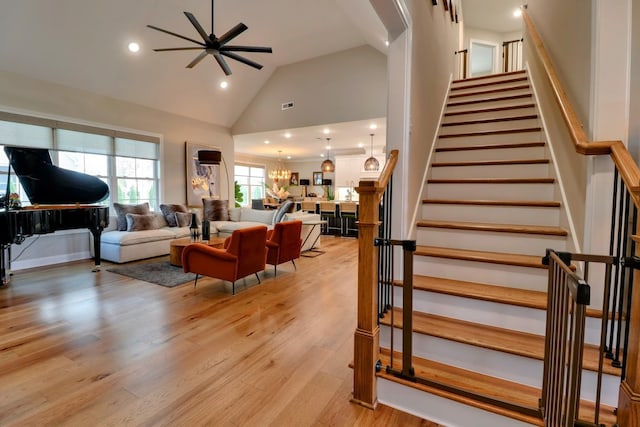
[(5, 269), (96, 231)]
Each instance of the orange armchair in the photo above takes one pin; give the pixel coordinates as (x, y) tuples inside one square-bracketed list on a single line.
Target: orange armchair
[(244, 253), (284, 243)]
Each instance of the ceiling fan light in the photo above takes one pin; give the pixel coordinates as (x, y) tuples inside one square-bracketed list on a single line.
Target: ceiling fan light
[(371, 164), (328, 166)]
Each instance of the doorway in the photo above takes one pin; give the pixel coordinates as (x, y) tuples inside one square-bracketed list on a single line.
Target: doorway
[(484, 58)]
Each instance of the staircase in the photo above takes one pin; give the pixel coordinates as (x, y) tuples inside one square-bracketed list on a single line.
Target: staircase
[(491, 208)]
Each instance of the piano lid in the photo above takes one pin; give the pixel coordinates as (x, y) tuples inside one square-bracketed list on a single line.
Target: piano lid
[(46, 183)]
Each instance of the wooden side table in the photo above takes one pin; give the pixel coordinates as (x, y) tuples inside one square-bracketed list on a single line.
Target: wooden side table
[(176, 246)]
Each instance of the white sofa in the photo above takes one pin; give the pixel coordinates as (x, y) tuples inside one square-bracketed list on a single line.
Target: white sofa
[(125, 246)]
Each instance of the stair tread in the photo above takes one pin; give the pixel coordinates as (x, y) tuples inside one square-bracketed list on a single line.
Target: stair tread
[(505, 228), (492, 181), (489, 76), (496, 99), (492, 293), (491, 337), (485, 92), (513, 80), (491, 146), (496, 388), (496, 120), (492, 163), (491, 132), (489, 110), (525, 203), (531, 261)]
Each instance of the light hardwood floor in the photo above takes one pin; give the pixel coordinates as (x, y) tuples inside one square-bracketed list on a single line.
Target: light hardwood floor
[(84, 349)]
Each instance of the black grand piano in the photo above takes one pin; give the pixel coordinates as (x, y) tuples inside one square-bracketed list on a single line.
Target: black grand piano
[(61, 200)]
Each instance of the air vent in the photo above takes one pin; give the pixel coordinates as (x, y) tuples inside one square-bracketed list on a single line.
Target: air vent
[(287, 105)]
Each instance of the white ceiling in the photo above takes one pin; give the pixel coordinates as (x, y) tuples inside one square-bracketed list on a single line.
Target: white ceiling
[(493, 15), (82, 44)]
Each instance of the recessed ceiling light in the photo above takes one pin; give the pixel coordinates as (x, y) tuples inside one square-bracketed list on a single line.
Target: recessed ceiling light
[(325, 131), (360, 144), (224, 84), (322, 155), (287, 135), (517, 13), (386, 43), (373, 126), (288, 157), (266, 141), (133, 47)]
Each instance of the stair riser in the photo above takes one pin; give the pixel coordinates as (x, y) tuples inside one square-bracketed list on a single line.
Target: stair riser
[(524, 319), (474, 115), (510, 367), (443, 411), (522, 215), (487, 127), (491, 171), (508, 138), (542, 192), (456, 105), (482, 272), (494, 79), (494, 154), (499, 85), (515, 243)]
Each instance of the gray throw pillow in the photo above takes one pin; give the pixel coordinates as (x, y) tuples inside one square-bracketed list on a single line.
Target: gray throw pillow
[(139, 222), (122, 210), (169, 212), (183, 219)]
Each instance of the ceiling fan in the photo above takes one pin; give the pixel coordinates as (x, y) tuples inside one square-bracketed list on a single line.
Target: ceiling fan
[(216, 46)]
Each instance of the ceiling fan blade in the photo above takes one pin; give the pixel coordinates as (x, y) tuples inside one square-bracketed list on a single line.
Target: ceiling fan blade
[(175, 35), (261, 49), (198, 27), (197, 59), (242, 59), (222, 63), (232, 33), (168, 49)]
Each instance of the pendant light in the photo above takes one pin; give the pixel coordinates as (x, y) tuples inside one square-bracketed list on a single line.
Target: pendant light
[(371, 164), (327, 165), (279, 173)]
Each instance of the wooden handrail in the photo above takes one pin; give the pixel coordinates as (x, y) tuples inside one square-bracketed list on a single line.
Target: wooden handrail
[(625, 164), (385, 175)]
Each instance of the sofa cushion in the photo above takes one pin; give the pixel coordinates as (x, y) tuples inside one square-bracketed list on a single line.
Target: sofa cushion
[(234, 214), (169, 212), (254, 215), (140, 222), (230, 226), (122, 210), (215, 210), (125, 238)]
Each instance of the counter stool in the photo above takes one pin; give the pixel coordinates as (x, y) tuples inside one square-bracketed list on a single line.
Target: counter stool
[(329, 213), (348, 217), (308, 206)]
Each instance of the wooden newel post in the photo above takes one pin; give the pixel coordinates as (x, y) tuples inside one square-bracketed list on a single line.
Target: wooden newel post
[(367, 335)]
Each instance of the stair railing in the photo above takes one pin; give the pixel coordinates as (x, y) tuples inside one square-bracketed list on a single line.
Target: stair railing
[(367, 335), (629, 173), (512, 55), (462, 62)]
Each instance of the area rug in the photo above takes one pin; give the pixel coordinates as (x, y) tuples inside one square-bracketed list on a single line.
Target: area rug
[(159, 272)]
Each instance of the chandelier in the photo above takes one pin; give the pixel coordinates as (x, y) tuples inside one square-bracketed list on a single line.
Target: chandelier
[(371, 164), (279, 172), (327, 165)]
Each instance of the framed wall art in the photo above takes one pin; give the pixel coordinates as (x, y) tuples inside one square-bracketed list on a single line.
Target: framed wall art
[(294, 179), (317, 178), (203, 181)]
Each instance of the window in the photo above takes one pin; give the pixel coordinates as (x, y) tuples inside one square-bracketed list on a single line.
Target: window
[(127, 163), (251, 181)]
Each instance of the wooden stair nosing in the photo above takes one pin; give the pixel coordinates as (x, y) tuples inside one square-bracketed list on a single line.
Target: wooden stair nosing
[(491, 146), (497, 228), (485, 84), (491, 132), (480, 101), (514, 203), (496, 120), (508, 341), (491, 181), (529, 261), (486, 92), (483, 292), (491, 163), (490, 76), (489, 110), (520, 394)]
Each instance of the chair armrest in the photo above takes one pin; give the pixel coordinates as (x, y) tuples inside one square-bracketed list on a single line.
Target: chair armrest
[(272, 245), (221, 254)]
